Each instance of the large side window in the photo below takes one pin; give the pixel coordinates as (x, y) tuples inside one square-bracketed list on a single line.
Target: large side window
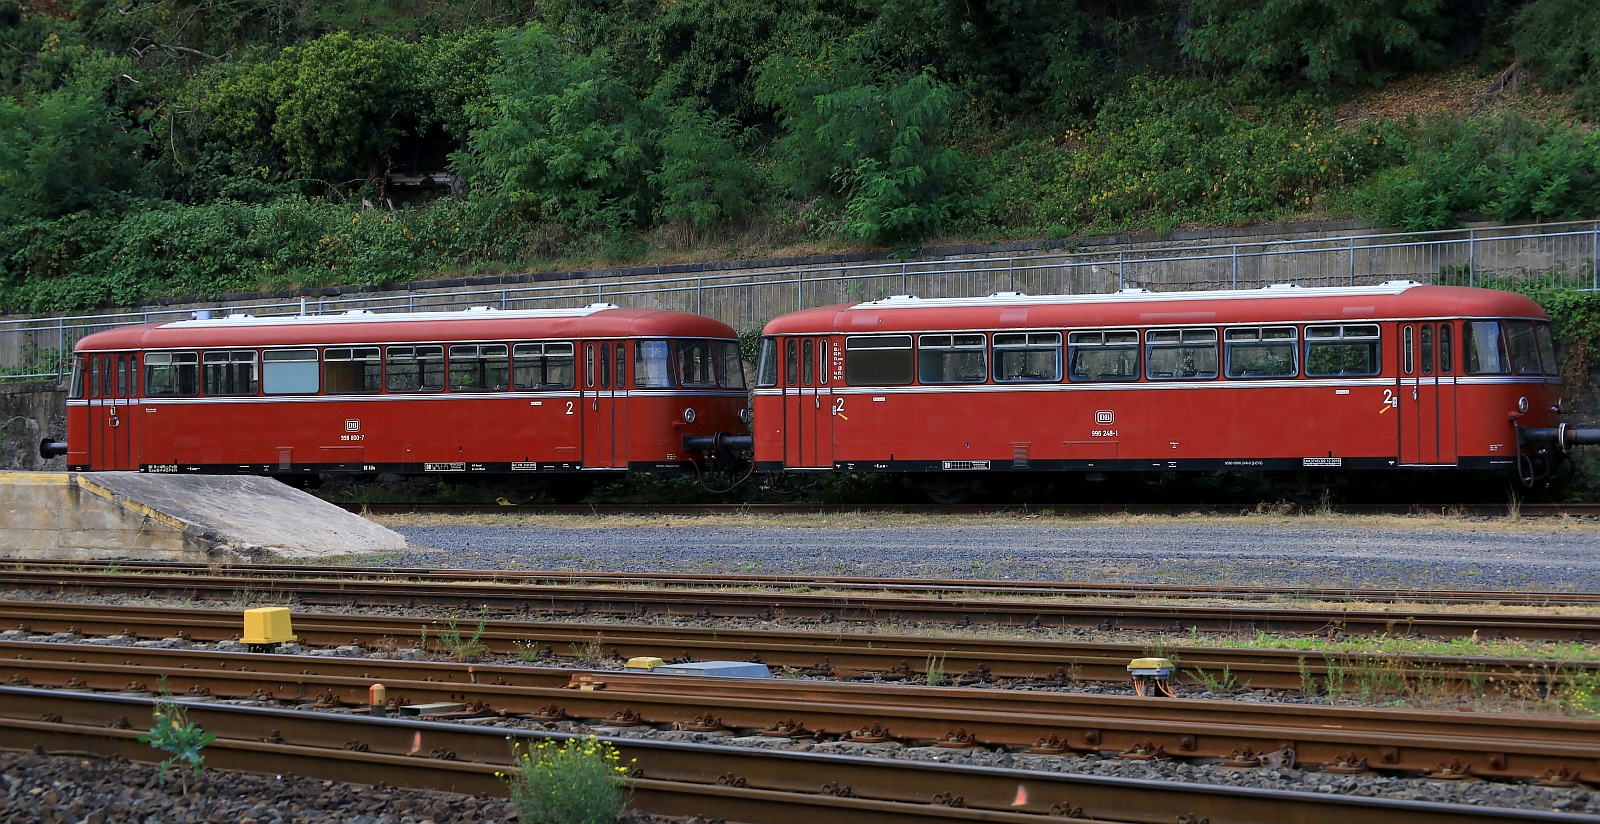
[(1180, 354), (951, 359), (479, 367), (413, 368), (289, 371), (75, 386), (1103, 356), (171, 374), (1446, 352), (767, 363), (352, 370), (1265, 352), (544, 366), (1486, 348), (652, 364), (1343, 350), (231, 372), (878, 360)]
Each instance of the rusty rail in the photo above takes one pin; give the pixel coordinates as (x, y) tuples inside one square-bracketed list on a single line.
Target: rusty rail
[(678, 779), (521, 596)]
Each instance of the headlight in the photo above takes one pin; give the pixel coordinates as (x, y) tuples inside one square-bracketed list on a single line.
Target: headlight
[(745, 417), (1522, 404), (688, 414)]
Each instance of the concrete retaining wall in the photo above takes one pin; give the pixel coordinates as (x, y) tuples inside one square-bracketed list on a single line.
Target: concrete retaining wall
[(30, 412)]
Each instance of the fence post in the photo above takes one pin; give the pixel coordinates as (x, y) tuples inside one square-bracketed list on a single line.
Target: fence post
[(799, 289), (1352, 261), (1121, 284), (1011, 275), (1236, 266), (904, 290), (699, 295), (1594, 257), (1472, 257), (61, 348)]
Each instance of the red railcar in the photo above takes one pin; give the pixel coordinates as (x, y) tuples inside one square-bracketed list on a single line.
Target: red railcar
[(1383, 377), (482, 392)]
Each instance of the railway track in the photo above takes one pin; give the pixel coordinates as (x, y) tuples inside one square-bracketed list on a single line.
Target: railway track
[(839, 601), (1476, 510), (682, 779), (954, 588), (1443, 745), (966, 659)]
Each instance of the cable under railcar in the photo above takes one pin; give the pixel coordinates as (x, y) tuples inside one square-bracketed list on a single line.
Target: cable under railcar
[(1329, 379), (551, 396)]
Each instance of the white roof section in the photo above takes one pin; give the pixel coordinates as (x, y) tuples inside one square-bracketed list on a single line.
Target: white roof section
[(366, 316), (1278, 290)]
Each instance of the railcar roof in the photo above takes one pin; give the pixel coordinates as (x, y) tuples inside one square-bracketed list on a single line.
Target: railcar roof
[(1139, 307), (483, 323)]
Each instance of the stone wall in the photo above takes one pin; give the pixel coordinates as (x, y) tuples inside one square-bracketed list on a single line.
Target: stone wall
[(29, 413)]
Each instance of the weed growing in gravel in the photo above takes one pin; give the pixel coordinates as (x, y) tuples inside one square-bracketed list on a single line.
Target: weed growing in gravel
[(1224, 683), (935, 670), (579, 781), (588, 654), (460, 648), (1579, 693), (171, 731), (527, 651)]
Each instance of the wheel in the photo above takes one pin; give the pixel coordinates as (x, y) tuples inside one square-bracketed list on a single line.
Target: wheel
[(569, 490)]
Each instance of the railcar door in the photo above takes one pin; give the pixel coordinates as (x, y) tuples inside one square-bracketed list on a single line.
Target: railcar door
[(807, 420), (600, 402), (110, 379), (1426, 394)]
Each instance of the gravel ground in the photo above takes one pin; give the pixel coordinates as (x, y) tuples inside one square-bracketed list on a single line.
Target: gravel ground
[(1391, 553)]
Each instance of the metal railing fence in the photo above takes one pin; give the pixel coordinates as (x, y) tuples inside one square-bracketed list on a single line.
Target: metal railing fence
[(1549, 254)]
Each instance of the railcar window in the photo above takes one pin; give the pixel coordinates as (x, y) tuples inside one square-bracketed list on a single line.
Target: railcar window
[(823, 365), (352, 370), (1446, 353), (652, 364), (1547, 348), (1103, 356), (694, 364), (289, 371), (94, 376), (1343, 351), (605, 366), (75, 386), (1524, 347), (171, 374), (730, 364), (808, 362), (479, 367), (107, 384), (543, 366), (767, 363), (951, 359), (124, 376), (1425, 337), (1265, 352), (413, 368), (1180, 354), (1486, 349), (622, 364), (878, 360), (231, 372), (791, 370)]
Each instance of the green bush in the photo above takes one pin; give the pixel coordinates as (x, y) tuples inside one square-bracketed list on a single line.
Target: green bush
[(1560, 41), (579, 781)]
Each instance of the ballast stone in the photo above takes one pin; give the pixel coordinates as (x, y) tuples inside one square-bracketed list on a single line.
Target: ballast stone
[(134, 515)]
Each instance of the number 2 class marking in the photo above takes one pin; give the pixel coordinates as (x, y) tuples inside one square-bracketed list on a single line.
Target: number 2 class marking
[(1389, 400), (838, 408), (569, 407)]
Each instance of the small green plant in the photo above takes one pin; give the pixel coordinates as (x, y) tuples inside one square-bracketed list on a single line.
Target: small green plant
[(461, 648), (1223, 683), (578, 781), (588, 653), (935, 670), (1308, 681), (171, 731)]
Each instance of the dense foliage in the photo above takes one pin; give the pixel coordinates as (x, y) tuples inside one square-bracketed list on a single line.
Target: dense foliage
[(201, 146)]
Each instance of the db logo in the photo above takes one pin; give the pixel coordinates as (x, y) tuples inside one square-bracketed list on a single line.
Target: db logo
[(1104, 416), (352, 425)]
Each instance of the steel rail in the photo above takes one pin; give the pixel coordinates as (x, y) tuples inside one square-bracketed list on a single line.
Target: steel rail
[(682, 779), (940, 588), (1525, 510), (844, 654), (1454, 744), (526, 599)]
